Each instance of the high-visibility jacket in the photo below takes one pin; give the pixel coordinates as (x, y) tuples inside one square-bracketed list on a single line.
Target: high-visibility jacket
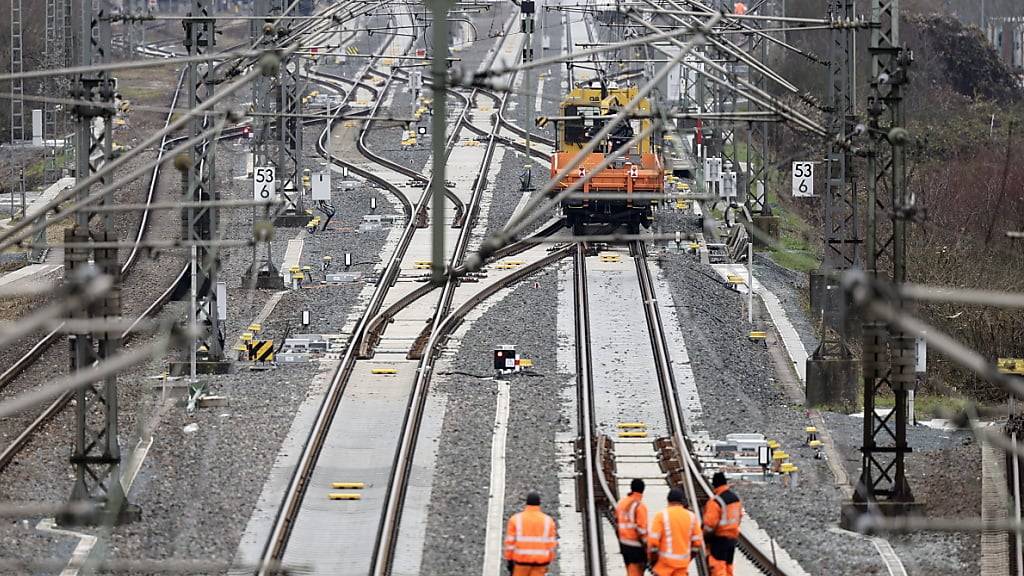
[(674, 535), (631, 519), (722, 514), (531, 537)]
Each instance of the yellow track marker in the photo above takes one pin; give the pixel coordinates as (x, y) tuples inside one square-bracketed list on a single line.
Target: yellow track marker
[(636, 434), (631, 425), (348, 485), (383, 371), (344, 496)]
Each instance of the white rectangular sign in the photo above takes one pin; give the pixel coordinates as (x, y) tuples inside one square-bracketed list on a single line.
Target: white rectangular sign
[(37, 127), (803, 179), (222, 301), (322, 186), (728, 185), (921, 365), (264, 183), (712, 169)]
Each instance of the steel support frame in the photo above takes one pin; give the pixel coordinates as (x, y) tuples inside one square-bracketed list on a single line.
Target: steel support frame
[(65, 22), (54, 56), (888, 354), (439, 125), (831, 369), (96, 458), (758, 159), (264, 103), (289, 167), (201, 222), (17, 68), (842, 233), (527, 26)]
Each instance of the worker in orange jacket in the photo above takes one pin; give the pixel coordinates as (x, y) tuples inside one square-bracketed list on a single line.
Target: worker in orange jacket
[(722, 516), (530, 540), (674, 537), (631, 524)]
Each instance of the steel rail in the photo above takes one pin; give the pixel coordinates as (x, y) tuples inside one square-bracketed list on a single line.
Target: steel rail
[(288, 511), (586, 420), (287, 514), (673, 411), (387, 535)]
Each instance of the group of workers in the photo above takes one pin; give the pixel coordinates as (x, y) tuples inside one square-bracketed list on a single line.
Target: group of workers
[(665, 542)]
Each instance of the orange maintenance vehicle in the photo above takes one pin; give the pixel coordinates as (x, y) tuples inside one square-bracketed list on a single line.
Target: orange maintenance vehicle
[(608, 197)]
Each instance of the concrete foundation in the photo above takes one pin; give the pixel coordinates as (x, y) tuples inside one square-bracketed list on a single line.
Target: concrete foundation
[(833, 382), (852, 512), (829, 304), (265, 280), (292, 220), (183, 368), (97, 513)]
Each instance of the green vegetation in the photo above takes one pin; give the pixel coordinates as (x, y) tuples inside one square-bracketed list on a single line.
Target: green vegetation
[(136, 93), (795, 249), (928, 406)]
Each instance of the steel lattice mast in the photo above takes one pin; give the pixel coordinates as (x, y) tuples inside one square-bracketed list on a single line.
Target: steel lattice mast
[(889, 354), (97, 454), (831, 373), (200, 222), (17, 68)]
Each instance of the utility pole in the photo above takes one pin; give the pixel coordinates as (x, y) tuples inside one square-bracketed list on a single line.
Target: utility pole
[(889, 353), (527, 8), (97, 454), (17, 68), (831, 372), (200, 223), (439, 74)]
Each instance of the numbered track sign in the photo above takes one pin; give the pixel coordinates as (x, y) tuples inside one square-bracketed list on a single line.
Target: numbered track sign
[(322, 186), (264, 183), (803, 179)]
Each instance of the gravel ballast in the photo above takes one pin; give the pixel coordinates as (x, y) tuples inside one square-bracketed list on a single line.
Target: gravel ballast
[(526, 318)]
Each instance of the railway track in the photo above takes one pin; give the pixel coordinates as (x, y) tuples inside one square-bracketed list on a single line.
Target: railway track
[(597, 493), (38, 349), (446, 314), (696, 486), (594, 477)]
